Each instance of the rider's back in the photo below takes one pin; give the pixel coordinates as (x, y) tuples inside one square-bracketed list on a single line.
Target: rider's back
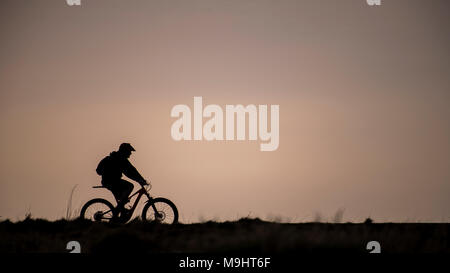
[(111, 167)]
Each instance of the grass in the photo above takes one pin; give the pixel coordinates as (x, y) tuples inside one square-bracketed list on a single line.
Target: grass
[(70, 214), (244, 236)]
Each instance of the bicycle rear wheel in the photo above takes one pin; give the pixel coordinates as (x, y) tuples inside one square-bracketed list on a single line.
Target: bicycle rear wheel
[(166, 211), (98, 210)]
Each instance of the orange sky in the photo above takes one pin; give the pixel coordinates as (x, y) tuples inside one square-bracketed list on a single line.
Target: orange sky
[(363, 94)]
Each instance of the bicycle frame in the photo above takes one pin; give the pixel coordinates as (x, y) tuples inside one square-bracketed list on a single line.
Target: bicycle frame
[(142, 191), (123, 215), (139, 192)]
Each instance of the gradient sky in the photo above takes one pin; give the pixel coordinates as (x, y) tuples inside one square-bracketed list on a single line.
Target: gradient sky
[(364, 97)]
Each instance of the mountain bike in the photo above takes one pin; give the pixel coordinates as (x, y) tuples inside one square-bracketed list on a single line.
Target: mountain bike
[(158, 209)]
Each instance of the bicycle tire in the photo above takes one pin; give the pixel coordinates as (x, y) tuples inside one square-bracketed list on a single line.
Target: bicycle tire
[(170, 211), (97, 201)]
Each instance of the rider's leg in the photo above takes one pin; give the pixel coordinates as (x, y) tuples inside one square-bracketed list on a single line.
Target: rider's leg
[(122, 191), (127, 188)]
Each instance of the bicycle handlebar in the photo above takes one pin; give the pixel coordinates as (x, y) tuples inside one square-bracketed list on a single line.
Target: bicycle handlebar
[(148, 186)]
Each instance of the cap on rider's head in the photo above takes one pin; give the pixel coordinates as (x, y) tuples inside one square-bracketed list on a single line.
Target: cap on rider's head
[(126, 147)]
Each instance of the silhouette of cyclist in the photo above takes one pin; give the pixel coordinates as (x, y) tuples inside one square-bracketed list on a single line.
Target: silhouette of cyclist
[(111, 169)]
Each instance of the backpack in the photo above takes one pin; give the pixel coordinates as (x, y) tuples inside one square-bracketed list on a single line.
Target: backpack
[(103, 165)]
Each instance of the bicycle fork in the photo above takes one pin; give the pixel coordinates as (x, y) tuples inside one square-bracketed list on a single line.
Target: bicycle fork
[(157, 214)]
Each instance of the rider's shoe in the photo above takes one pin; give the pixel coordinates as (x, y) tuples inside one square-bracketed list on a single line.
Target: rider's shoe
[(125, 211), (122, 209), (121, 214), (121, 204), (125, 214)]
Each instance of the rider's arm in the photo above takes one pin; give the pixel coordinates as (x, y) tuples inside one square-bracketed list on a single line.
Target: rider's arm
[(131, 172)]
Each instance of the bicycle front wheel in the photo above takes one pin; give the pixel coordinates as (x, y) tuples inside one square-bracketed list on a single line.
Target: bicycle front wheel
[(98, 210), (160, 210)]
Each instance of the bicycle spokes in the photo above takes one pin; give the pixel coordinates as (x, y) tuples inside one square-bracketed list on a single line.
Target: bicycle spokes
[(99, 212), (160, 211), (160, 216)]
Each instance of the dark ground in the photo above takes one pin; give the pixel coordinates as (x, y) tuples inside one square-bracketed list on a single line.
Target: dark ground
[(246, 236)]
